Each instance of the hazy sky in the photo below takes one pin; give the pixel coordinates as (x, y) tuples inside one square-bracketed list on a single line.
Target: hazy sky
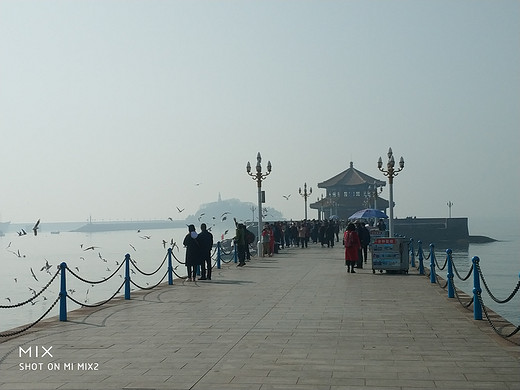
[(118, 109)]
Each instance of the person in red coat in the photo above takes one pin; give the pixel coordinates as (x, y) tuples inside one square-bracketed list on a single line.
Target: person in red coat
[(352, 245)]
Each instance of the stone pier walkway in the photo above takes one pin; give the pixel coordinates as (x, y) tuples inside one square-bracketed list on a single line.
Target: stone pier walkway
[(290, 322)]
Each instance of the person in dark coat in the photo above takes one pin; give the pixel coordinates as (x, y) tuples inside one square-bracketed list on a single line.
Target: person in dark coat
[(322, 233), (193, 252), (364, 239), (205, 239), (381, 225), (241, 241), (330, 235)]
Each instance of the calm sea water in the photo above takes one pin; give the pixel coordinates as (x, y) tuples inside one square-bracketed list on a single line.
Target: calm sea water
[(499, 262)]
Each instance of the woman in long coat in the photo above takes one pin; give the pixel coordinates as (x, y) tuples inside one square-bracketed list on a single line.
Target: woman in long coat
[(193, 252), (352, 245)]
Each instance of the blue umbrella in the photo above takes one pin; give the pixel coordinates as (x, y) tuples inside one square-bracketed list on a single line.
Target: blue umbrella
[(368, 213)]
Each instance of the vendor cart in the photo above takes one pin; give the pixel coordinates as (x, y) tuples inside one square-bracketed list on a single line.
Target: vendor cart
[(390, 254)]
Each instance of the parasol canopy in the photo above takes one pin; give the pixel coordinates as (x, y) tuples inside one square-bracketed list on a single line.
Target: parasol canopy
[(368, 213)]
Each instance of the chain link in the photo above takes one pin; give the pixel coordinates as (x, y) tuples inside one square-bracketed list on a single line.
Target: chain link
[(97, 281), (489, 291), (491, 323), (145, 273), (458, 275), (97, 304), (150, 287)]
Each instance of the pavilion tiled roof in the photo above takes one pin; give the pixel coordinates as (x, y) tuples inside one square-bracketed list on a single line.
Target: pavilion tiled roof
[(350, 177)]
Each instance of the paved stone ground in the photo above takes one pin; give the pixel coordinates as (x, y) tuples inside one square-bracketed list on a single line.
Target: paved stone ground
[(293, 321)]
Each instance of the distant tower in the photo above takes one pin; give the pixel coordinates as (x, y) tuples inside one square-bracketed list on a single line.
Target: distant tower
[(219, 198)]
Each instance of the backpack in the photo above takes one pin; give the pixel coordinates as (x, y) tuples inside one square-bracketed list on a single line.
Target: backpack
[(250, 237)]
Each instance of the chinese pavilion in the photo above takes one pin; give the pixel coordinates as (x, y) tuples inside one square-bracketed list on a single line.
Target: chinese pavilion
[(348, 192)]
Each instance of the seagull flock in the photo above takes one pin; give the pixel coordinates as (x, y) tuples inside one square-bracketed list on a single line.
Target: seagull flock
[(47, 267)]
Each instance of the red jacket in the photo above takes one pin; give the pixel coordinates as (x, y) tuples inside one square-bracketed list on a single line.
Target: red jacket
[(352, 245)]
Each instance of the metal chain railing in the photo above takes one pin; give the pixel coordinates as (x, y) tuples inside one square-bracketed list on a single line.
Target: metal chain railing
[(25, 328), (515, 290), (492, 324), (63, 269), (99, 303), (465, 277), (95, 281), (151, 273), (476, 300), (150, 287)]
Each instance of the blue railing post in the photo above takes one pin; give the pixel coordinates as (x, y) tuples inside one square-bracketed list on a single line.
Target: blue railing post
[(218, 255), (412, 254), (433, 279), (449, 275), (236, 253), (170, 268), (63, 292), (421, 258), (127, 276), (477, 308)]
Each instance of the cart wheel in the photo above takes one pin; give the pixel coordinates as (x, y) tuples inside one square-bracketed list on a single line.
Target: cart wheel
[(380, 271)]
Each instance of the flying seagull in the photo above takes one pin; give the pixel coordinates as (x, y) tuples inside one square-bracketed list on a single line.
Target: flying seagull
[(34, 276), (286, 196), (180, 210), (36, 226), (47, 266)]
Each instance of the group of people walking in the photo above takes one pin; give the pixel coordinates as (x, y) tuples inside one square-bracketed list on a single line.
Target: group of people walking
[(275, 235)]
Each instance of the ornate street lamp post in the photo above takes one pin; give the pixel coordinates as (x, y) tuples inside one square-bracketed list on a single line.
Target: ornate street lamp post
[(305, 195), (391, 172), (320, 209), (259, 176), (372, 193)]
